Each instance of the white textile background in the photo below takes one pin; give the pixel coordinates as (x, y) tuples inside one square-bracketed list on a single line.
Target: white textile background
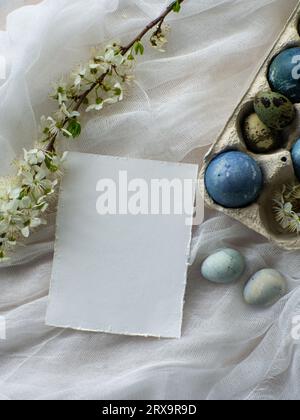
[(181, 101)]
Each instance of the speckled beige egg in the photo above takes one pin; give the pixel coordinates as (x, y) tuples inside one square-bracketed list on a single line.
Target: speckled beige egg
[(258, 137), (274, 109)]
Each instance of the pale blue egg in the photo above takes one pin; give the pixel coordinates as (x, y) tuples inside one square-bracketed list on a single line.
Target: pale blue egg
[(224, 266), (265, 288)]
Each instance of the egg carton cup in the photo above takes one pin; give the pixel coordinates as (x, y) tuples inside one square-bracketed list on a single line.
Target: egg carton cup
[(277, 167)]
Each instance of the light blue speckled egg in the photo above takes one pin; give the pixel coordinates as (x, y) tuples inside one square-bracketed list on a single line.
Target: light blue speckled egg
[(265, 288), (224, 266)]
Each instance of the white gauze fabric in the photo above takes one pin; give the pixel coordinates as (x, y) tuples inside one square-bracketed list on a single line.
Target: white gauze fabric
[(181, 100)]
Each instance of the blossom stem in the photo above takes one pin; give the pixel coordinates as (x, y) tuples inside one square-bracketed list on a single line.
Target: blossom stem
[(158, 21)]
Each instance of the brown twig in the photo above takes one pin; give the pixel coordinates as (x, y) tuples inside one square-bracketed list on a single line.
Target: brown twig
[(79, 102)]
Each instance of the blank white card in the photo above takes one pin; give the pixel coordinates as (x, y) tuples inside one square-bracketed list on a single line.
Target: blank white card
[(122, 272)]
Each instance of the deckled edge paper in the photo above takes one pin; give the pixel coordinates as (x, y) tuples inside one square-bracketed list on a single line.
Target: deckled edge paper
[(118, 274)]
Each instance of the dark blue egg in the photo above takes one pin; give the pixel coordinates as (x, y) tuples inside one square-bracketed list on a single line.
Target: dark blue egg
[(296, 158), (233, 179), (284, 74)]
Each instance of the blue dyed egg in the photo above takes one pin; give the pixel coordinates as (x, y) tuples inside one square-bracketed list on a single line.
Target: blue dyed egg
[(224, 266), (233, 179), (284, 74), (265, 288), (296, 158)]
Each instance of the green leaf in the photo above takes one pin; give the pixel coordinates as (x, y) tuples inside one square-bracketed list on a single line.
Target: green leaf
[(74, 127), (139, 48), (177, 7)]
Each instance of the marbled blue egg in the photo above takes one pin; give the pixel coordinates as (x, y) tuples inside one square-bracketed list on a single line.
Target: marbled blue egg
[(233, 179), (224, 266), (265, 288), (284, 74), (296, 158)]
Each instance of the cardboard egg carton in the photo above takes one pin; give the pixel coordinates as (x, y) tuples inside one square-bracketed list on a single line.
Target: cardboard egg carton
[(277, 166)]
